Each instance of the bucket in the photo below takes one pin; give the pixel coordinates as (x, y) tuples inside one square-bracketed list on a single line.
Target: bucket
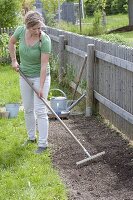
[(13, 109)]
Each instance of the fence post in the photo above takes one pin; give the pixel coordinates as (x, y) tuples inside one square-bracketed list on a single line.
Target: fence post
[(61, 57), (90, 79)]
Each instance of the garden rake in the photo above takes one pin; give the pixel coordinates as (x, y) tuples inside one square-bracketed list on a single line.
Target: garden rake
[(89, 157)]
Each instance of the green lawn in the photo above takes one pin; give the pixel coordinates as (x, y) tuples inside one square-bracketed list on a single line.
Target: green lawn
[(23, 174), (128, 36), (113, 22), (116, 21), (9, 85)]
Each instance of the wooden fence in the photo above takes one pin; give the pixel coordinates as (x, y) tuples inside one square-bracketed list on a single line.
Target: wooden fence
[(8, 30), (108, 74)]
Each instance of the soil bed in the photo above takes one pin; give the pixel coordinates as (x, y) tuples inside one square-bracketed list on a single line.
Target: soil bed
[(109, 177)]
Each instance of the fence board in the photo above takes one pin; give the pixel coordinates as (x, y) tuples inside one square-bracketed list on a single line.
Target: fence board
[(55, 38), (115, 108), (113, 74), (115, 60), (75, 51)]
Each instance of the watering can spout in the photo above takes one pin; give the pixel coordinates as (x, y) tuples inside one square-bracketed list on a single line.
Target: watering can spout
[(76, 102)]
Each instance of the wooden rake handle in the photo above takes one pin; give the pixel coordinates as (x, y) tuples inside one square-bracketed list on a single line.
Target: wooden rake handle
[(49, 107)]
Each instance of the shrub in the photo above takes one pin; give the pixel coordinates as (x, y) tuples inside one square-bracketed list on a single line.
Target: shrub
[(4, 52), (54, 65), (115, 38), (97, 28)]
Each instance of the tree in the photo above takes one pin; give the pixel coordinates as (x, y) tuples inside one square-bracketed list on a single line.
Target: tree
[(71, 1), (27, 5), (130, 12), (51, 6), (110, 6), (9, 12)]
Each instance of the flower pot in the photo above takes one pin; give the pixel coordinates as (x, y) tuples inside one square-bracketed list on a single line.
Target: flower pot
[(13, 109)]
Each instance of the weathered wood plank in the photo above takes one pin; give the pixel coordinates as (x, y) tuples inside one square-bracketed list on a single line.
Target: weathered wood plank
[(115, 108), (75, 51), (115, 60), (90, 79), (55, 38)]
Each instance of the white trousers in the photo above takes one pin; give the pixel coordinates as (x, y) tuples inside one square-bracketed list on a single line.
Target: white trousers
[(35, 109)]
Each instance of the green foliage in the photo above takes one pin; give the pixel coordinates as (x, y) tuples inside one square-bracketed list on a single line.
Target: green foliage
[(115, 38), (103, 4), (27, 5), (9, 86), (113, 22), (90, 7), (4, 38), (86, 30), (69, 76), (4, 53), (54, 65), (83, 84), (51, 6), (71, 1), (110, 6), (9, 12), (119, 6), (50, 19), (97, 29)]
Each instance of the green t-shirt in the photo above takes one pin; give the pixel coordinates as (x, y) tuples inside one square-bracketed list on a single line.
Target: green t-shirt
[(30, 57)]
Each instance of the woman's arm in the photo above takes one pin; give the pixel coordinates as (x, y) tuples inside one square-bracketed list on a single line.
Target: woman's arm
[(44, 63), (12, 51)]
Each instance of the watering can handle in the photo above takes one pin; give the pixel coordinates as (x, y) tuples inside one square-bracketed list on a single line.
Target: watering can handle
[(59, 91)]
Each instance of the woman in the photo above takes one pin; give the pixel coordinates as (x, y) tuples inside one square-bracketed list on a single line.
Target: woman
[(34, 50)]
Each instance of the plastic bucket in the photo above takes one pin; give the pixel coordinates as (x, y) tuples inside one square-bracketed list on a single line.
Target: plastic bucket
[(13, 109)]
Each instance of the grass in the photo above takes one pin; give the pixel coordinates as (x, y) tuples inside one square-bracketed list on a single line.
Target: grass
[(23, 175), (113, 22), (128, 36), (116, 21), (9, 87)]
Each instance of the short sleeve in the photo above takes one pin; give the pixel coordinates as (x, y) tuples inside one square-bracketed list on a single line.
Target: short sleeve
[(18, 32), (46, 44)]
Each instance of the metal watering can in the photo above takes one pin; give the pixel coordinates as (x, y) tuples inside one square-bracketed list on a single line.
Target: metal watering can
[(60, 104)]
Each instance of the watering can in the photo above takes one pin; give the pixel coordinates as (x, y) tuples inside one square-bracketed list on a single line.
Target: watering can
[(60, 104)]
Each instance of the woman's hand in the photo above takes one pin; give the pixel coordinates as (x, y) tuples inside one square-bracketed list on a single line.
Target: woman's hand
[(15, 65), (40, 93)]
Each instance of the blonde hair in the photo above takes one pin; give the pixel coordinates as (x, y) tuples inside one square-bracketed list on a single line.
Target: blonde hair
[(32, 18)]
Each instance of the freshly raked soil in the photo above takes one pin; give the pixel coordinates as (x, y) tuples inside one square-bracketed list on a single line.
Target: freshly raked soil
[(109, 177)]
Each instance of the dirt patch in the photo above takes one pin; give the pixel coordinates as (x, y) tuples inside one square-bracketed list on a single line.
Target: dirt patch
[(109, 177)]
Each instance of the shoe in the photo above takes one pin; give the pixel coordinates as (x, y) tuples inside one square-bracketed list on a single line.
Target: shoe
[(28, 142), (40, 150)]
